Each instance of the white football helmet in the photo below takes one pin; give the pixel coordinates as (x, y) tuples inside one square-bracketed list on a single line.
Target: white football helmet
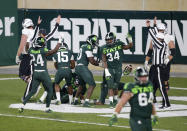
[(161, 26), (27, 23)]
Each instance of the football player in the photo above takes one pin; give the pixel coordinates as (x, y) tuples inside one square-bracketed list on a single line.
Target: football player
[(140, 97), (112, 60), (64, 62), (38, 53), (85, 57)]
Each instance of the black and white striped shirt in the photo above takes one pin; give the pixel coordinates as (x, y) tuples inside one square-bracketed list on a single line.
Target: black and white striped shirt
[(159, 49)]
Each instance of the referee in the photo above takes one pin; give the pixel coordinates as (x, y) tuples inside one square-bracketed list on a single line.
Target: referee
[(158, 68)]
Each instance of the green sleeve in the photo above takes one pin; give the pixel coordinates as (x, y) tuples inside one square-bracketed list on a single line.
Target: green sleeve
[(44, 51)]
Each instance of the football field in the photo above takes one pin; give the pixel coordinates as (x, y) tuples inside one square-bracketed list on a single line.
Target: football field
[(74, 118)]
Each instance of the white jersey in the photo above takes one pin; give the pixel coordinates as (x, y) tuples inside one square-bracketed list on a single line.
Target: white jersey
[(167, 39), (29, 33)]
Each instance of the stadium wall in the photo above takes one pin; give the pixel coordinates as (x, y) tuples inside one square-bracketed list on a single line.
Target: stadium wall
[(145, 5), (78, 24)]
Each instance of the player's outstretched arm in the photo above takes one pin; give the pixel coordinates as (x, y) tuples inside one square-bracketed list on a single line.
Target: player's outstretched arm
[(54, 50), (130, 45)]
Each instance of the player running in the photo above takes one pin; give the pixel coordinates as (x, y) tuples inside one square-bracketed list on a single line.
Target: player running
[(140, 97)]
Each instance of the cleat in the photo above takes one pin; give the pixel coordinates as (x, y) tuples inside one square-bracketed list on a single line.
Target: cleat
[(48, 111), (57, 103), (76, 102), (154, 100), (40, 102), (20, 110), (86, 104)]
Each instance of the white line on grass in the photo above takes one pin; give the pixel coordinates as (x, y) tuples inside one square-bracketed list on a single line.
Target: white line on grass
[(78, 122)]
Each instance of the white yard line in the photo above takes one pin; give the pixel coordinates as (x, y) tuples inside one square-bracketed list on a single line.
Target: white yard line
[(78, 122)]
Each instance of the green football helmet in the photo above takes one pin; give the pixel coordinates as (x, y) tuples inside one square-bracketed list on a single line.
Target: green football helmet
[(39, 42), (110, 38), (93, 40), (140, 73)]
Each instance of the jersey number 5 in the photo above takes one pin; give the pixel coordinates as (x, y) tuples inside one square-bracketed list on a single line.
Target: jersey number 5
[(144, 100)]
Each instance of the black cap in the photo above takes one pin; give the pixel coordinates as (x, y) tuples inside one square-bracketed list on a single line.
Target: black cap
[(43, 31)]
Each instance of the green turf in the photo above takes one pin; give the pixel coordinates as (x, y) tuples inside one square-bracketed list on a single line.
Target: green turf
[(12, 91)]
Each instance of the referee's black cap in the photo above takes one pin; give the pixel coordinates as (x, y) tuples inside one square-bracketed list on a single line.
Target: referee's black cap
[(43, 31)]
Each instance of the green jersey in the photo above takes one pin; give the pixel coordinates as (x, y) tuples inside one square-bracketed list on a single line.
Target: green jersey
[(142, 99), (39, 58), (86, 51), (63, 57), (114, 54)]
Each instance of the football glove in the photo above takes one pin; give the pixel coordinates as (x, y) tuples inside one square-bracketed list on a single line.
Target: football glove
[(18, 60), (146, 66), (107, 74), (127, 70), (113, 120), (154, 120), (129, 38), (166, 61)]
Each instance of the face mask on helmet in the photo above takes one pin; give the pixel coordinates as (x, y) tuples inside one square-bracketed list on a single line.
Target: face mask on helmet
[(39, 42), (27, 23), (141, 75), (110, 38), (93, 40), (64, 46)]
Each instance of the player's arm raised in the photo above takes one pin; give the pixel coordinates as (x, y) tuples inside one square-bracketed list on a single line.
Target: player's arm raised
[(148, 56), (130, 45)]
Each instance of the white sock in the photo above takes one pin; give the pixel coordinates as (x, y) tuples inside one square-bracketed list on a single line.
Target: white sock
[(42, 98), (111, 99), (76, 98), (116, 97), (87, 100), (70, 99), (82, 101), (58, 96), (22, 106)]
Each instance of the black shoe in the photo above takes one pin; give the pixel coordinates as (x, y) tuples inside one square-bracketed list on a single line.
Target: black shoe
[(154, 100), (20, 110), (48, 111), (76, 102)]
